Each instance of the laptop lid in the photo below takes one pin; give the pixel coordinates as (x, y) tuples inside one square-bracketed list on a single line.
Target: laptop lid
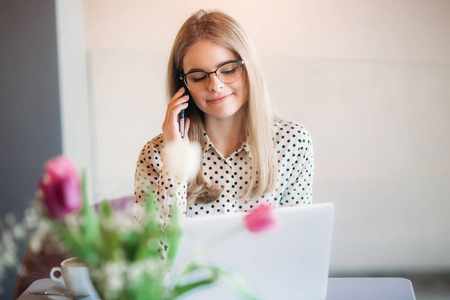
[(291, 262)]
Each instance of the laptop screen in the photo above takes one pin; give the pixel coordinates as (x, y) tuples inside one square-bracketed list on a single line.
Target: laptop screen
[(291, 262)]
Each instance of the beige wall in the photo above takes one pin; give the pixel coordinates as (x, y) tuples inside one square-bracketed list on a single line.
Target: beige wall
[(369, 79), (400, 30)]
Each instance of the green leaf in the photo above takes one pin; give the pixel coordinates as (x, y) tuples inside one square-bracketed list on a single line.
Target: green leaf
[(148, 286), (151, 233), (238, 284), (130, 243), (74, 241), (88, 218), (109, 246), (215, 273), (182, 289), (191, 267), (150, 221), (149, 247), (173, 234), (105, 211)]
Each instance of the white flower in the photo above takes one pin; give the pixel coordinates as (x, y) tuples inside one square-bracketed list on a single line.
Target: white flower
[(7, 239), (114, 278), (110, 277), (9, 258), (182, 159), (134, 271), (18, 231), (8, 249), (149, 266), (32, 216), (38, 238), (120, 220), (10, 220)]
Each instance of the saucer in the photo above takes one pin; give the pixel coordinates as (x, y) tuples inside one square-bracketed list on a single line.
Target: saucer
[(62, 290)]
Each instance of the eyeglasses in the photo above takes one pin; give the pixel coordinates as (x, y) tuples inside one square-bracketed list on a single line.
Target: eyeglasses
[(227, 73)]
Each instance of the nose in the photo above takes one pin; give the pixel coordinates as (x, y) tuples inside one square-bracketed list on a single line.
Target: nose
[(214, 83)]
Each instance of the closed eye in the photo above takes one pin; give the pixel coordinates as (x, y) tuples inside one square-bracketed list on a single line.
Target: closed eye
[(227, 72), (197, 78)]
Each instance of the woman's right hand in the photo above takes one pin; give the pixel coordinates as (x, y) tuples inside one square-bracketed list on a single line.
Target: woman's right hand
[(171, 127)]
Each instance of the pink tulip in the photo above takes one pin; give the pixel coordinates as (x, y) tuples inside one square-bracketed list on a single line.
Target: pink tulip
[(61, 187), (261, 219)]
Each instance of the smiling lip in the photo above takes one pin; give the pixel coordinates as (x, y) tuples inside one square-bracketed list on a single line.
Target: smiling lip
[(219, 99)]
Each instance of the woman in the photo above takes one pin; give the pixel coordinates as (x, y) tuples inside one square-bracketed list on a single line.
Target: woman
[(248, 157)]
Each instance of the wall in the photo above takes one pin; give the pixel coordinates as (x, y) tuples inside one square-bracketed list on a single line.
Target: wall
[(369, 79), (30, 130), (73, 90)]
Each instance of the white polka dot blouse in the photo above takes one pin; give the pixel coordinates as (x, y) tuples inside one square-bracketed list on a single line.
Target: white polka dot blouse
[(230, 174)]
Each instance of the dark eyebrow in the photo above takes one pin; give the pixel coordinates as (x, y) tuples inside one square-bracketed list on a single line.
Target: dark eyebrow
[(201, 70)]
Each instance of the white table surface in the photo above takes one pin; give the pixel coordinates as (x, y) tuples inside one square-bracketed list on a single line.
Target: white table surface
[(370, 289), (338, 289)]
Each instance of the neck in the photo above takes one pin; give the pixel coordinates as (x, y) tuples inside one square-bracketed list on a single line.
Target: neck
[(226, 134)]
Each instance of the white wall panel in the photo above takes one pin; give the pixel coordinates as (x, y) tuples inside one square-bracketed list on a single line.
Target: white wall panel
[(369, 79)]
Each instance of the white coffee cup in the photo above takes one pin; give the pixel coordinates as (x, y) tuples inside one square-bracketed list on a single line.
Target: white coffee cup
[(75, 276)]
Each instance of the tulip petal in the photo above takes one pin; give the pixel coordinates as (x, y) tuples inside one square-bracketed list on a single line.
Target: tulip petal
[(260, 219), (61, 187)]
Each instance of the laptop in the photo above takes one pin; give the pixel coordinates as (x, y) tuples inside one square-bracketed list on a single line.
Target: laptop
[(291, 262)]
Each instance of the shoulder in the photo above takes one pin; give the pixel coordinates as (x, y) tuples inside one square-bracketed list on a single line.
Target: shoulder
[(153, 147), (288, 132)]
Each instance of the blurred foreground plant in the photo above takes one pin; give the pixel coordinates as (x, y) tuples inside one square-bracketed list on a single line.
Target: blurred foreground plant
[(125, 260)]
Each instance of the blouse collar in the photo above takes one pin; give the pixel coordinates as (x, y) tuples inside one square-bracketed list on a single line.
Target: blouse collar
[(207, 144)]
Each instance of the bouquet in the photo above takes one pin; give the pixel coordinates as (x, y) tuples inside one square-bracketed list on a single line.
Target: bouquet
[(125, 260)]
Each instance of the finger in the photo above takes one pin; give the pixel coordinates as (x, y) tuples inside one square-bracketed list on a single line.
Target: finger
[(177, 101), (178, 94), (175, 111), (171, 119), (173, 108)]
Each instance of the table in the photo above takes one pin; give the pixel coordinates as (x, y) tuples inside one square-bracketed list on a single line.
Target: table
[(338, 289), (370, 289)]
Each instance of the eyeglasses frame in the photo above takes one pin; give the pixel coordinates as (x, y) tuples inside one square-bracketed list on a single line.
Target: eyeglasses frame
[(183, 77)]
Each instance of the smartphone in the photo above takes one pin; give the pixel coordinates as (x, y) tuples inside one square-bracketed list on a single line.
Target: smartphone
[(182, 118), (182, 123)]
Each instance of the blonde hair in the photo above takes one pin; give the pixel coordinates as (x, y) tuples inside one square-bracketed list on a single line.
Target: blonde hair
[(224, 30)]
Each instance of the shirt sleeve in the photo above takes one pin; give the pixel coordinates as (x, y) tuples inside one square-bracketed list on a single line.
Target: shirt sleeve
[(299, 190), (152, 183)]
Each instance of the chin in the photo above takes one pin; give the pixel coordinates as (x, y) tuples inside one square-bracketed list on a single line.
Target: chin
[(224, 114)]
